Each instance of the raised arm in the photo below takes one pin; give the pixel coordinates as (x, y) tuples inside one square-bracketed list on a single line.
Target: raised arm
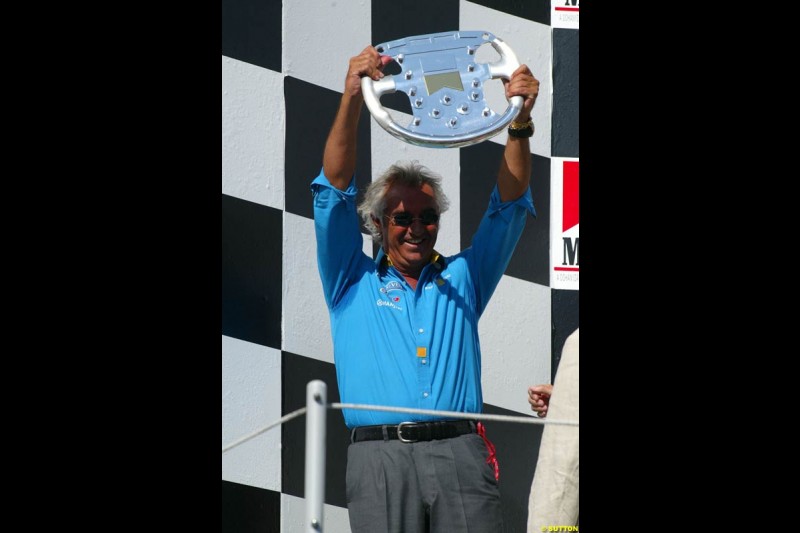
[(339, 160), (515, 168)]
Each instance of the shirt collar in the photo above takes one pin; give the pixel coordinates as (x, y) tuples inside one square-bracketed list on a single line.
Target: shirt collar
[(383, 261)]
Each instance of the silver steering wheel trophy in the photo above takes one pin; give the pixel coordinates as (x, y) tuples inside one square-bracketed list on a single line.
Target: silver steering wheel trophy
[(445, 86)]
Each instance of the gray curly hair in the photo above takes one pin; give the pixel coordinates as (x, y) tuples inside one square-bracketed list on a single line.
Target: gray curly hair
[(409, 173)]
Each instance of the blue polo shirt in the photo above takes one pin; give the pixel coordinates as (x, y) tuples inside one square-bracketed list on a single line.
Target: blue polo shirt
[(396, 346)]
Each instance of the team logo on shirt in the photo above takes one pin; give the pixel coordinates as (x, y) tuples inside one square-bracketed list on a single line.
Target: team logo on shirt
[(393, 291), (392, 286)]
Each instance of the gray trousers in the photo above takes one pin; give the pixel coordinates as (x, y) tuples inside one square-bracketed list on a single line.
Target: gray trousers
[(439, 486)]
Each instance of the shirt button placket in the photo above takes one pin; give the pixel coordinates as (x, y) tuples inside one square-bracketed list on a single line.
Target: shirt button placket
[(423, 367)]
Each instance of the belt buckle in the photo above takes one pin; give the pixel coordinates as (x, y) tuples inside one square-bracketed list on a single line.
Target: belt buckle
[(400, 432)]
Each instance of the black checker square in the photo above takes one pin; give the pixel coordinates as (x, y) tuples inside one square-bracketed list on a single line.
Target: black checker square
[(310, 111), (517, 449), (535, 10), (252, 32), (393, 20), (406, 18), (247, 509), (566, 98), (297, 372), (251, 271), (479, 166), (565, 317)]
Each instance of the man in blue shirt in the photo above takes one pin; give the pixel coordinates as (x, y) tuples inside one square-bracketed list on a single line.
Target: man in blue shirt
[(405, 325)]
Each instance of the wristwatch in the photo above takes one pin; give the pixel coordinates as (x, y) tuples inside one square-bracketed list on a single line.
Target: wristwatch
[(521, 130)]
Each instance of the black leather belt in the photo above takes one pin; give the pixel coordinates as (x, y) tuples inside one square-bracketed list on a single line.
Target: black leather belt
[(414, 431)]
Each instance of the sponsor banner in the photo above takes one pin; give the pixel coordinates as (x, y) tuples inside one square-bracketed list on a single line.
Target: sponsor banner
[(564, 223), (564, 13)]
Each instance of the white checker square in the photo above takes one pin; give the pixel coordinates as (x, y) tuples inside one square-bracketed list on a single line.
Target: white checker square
[(515, 343), (251, 400), (306, 323), (532, 44), (253, 123), (319, 38)]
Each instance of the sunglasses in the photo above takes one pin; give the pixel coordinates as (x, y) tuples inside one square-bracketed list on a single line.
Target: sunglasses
[(405, 219)]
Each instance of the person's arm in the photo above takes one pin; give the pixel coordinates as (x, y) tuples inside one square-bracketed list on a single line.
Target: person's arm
[(514, 175), (339, 159), (510, 201)]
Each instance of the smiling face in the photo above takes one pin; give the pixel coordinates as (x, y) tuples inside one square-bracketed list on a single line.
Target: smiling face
[(410, 248)]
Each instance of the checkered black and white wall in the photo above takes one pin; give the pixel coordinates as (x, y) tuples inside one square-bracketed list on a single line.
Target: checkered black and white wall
[(283, 67)]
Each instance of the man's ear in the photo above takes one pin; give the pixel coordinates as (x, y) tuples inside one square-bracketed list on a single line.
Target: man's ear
[(376, 221)]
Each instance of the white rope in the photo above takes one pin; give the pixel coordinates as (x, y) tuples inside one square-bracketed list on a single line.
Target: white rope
[(456, 414), (366, 407), (293, 414)]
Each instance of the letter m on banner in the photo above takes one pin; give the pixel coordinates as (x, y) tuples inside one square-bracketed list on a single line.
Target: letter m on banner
[(570, 215), (565, 224)]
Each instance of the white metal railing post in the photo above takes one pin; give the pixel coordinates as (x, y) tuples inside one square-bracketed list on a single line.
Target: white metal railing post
[(316, 413)]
